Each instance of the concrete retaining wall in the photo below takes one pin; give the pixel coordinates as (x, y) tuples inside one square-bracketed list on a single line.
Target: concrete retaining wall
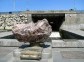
[(73, 26)]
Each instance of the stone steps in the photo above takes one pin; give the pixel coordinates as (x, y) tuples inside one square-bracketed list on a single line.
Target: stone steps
[(3, 34), (10, 42), (55, 43)]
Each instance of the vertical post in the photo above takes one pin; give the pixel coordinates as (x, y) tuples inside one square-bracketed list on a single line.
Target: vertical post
[(14, 5), (74, 5)]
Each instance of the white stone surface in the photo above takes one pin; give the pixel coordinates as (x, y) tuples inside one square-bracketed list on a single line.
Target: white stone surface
[(55, 34)]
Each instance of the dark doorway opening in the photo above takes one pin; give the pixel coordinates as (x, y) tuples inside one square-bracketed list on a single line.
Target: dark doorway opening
[(55, 20)]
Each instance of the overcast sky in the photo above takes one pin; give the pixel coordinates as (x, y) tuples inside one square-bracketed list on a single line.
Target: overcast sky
[(22, 5)]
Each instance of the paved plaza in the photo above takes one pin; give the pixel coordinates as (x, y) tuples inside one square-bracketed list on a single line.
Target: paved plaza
[(63, 50), (58, 55)]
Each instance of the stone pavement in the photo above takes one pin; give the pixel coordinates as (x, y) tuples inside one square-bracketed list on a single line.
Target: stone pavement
[(63, 50), (58, 55), (68, 54)]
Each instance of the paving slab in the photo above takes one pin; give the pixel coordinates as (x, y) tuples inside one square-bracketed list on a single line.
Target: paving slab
[(72, 54), (3, 34), (4, 51), (68, 43), (68, 54), (10, 42)]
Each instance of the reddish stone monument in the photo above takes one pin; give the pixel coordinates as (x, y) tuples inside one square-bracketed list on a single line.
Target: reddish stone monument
[(32, 32)]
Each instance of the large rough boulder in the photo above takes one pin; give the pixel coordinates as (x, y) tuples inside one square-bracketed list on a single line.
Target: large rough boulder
[(32, 32)]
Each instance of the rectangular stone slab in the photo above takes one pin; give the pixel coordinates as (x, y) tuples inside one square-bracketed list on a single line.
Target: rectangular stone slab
[(73, 54)]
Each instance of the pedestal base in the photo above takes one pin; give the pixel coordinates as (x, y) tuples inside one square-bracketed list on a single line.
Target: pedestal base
[(34, 53), (29, 53)]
